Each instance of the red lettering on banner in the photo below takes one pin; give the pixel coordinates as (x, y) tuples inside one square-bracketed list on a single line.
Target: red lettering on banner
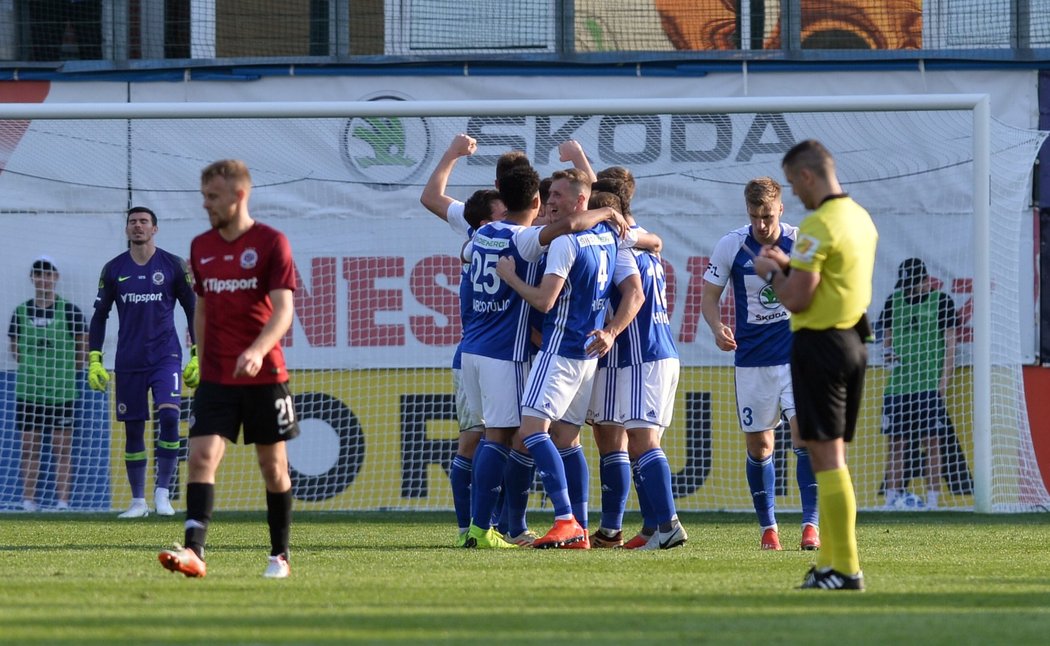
[(440, 296), (696, 266), (671, 281), (364, 300), (315, 307)]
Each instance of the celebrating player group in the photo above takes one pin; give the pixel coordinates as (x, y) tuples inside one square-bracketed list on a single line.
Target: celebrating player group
[(563, 305)]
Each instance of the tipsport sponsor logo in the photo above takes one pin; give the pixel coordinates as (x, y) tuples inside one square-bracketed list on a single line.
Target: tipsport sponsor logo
[(220, 285)]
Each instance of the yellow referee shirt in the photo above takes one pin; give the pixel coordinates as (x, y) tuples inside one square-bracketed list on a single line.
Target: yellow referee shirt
[(837, 241)]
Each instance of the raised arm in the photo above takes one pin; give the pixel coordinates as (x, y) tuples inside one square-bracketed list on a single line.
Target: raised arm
[(433, 196), (572, 151)]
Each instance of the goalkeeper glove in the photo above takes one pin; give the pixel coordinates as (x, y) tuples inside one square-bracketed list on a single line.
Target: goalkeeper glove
[(191, 375), (98, 378)]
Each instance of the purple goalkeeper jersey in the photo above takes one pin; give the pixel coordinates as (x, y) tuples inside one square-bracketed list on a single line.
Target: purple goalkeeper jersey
[(145, 296)]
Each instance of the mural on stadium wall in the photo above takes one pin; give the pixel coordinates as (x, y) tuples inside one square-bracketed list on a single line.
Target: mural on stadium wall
[(703, 25)]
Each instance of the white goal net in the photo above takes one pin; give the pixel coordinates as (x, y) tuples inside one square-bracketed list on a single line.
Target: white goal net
[(377, 313)]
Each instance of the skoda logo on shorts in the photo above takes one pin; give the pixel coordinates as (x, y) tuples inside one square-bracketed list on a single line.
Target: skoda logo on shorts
[(768, 298), (386, 153)]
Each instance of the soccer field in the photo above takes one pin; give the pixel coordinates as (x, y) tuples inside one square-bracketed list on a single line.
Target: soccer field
[(393, 577)]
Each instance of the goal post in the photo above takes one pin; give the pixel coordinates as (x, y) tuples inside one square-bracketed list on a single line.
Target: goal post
[(376, 318)]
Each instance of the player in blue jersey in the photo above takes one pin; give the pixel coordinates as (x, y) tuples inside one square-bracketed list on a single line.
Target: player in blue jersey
[(145, 283), (762, 341), (633, 402), (580, 272), (484, 206), (497, 345)]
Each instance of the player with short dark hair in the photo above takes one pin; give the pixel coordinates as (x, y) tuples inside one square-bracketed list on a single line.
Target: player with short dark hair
[(244, 279), (464, 218), (826, 284), (145, 282)]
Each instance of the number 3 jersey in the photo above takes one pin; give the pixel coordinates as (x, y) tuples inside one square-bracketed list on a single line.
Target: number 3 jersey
[(763, 330), (235, 280)]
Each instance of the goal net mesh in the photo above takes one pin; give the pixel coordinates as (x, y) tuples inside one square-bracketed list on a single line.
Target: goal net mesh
[(377, 321)]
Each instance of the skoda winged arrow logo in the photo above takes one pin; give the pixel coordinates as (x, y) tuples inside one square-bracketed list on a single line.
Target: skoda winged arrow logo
[(386, 153)]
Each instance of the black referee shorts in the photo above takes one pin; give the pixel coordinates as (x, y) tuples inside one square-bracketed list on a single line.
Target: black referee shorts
[(265, 410), (827, 375)]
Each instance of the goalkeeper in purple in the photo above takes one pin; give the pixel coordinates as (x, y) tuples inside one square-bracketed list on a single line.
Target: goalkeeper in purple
[(145, 282), (762, 342)]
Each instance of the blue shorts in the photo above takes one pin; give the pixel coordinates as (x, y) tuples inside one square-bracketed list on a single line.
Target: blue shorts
[(165, 380), (921, 414)]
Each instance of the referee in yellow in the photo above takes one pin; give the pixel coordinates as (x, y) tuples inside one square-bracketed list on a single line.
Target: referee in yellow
[(826, 284)]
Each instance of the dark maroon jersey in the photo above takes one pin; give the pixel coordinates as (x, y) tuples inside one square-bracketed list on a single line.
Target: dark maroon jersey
[(235, 280)]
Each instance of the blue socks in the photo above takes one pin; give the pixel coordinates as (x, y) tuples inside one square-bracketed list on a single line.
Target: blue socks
[(578, 481), (761, 480), (552, 472), (807, 487), (490, 462), (644, 506), (460, 477), (517, 485), (655, 474), (615, 471)]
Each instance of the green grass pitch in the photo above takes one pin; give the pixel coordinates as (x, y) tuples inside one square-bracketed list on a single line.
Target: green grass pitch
[(933, 578)]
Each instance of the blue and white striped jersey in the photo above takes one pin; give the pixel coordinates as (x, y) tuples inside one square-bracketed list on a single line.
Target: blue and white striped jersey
[(590, 264), (498, 323), (649, 336), (763, 332)]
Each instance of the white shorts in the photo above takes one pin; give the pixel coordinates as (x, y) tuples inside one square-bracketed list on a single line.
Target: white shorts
[(559, 388), (602, 409), (762, 395), (469, 418), (494, 387), (645, 393)]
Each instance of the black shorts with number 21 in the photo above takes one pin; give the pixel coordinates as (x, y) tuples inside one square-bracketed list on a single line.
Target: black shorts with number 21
[(266, 412)]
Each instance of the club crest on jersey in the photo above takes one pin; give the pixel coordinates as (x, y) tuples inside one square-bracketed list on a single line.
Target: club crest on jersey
[(158, 277), (768, 298), (249, 258)]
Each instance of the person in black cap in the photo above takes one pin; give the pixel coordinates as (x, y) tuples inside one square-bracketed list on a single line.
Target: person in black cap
[(918, 326), (49, 341)]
